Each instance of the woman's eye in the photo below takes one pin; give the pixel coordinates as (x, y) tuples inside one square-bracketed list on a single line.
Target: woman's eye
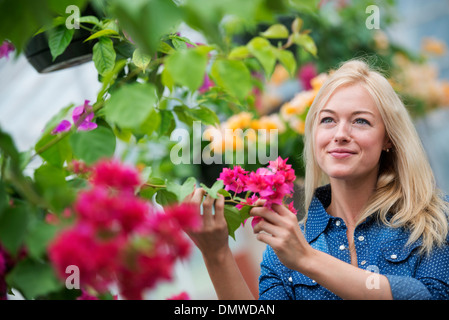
[(361, 121), (326, 120)]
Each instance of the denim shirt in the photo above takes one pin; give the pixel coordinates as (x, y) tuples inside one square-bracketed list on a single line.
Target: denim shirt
[(380, 249)]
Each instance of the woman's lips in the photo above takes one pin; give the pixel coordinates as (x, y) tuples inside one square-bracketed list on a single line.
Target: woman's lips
[(341, 153)]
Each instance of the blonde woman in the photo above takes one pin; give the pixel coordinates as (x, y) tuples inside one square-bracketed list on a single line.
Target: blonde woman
[(376, 225)]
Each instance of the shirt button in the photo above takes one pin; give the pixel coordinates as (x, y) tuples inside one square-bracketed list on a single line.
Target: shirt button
[(342, 247), (290, 279), (361, 238), (337, 223), (313, 281), (363, 262), (393, 256)]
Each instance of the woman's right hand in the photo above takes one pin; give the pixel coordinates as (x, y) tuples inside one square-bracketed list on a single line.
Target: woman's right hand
[(212, 236)]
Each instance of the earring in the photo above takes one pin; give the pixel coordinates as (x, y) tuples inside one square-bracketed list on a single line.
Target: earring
[(388, 150)]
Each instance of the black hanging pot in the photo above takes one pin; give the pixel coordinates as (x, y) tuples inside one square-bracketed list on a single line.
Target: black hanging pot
[(39, 56)]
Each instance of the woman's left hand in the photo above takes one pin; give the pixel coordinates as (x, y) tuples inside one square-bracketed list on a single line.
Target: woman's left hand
[(280, 230)]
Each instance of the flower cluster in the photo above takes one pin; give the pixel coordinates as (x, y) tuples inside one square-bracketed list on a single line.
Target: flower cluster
[(272, 184), (294, 111), (119, 237), (81, 111), (231, 134), (5, 49)]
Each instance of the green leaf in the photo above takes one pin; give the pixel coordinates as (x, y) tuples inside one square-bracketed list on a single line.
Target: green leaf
[(59, 40), (205, 115), (164, 197), (102, 33), (233, 219), (104, 55), (50, 181), (305, 41), (38, 238), (13, 227), (233, 76), (181, 191), (90, 19), (58, 153), (187, 67), (212, 191), (91, 146), (276, 31), (33, 278), (146, 21), (264, 53), (240, 52), (244, 213), (288, 60), (141, 60), (130, 105)]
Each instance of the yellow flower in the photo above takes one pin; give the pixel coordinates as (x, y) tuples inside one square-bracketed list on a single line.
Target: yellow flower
[(318, 81), (241, 120), (280, 75), (433, 46)]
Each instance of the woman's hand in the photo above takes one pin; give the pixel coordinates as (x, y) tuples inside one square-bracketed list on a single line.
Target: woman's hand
[(212, 237), (280, 230)]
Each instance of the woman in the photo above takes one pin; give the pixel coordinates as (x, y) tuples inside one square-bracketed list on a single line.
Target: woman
[(376, 226)]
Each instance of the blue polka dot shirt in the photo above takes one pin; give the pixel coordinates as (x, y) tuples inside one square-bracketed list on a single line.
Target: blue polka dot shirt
[(380, 249)]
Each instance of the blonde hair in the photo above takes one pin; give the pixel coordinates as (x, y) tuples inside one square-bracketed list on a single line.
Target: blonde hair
[(406, 185)]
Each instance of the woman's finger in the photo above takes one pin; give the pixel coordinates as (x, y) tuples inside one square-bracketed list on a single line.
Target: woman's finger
[(219, 209), (266, 214), (208, 216), (264, 226)]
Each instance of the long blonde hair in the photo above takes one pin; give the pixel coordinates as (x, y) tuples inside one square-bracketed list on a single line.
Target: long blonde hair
[(406, 185)]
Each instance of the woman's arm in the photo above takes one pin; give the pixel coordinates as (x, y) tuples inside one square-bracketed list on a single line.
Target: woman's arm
[(281, 231), (212, 240)]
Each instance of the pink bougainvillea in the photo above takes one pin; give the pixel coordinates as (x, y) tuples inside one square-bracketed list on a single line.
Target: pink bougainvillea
[(118, 237)]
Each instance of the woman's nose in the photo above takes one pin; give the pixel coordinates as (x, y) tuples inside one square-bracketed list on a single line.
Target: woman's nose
[(343, 132)]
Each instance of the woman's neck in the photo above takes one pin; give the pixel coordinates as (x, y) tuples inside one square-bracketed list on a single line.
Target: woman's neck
[(349, 198)]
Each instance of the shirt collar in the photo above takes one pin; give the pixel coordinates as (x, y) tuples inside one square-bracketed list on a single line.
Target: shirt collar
[(317, 217)]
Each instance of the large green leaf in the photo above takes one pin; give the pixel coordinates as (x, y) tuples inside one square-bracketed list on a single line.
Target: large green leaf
[(59, 40), (38, 238), (130, 105), (13, 227), (33, 278), (264, 53), (233, 76), (187, 67), (58, 153), (145, 21), (233, 219), (181, 191), (91, 146), (104, 55), (50, 181)]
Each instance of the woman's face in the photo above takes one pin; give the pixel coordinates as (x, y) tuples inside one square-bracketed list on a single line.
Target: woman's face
[(350, 135)]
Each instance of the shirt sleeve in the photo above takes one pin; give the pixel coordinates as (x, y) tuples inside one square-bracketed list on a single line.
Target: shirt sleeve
[(431, 280), (271, 285)]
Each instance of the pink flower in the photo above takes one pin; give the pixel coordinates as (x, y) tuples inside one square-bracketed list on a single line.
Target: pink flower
[(77, 113), (63, 126), (112, 173), (307, 73), (108, 211), (180, 296), (95, 258), (5, 49), (207, 84), (186, 215), (234, 179)]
